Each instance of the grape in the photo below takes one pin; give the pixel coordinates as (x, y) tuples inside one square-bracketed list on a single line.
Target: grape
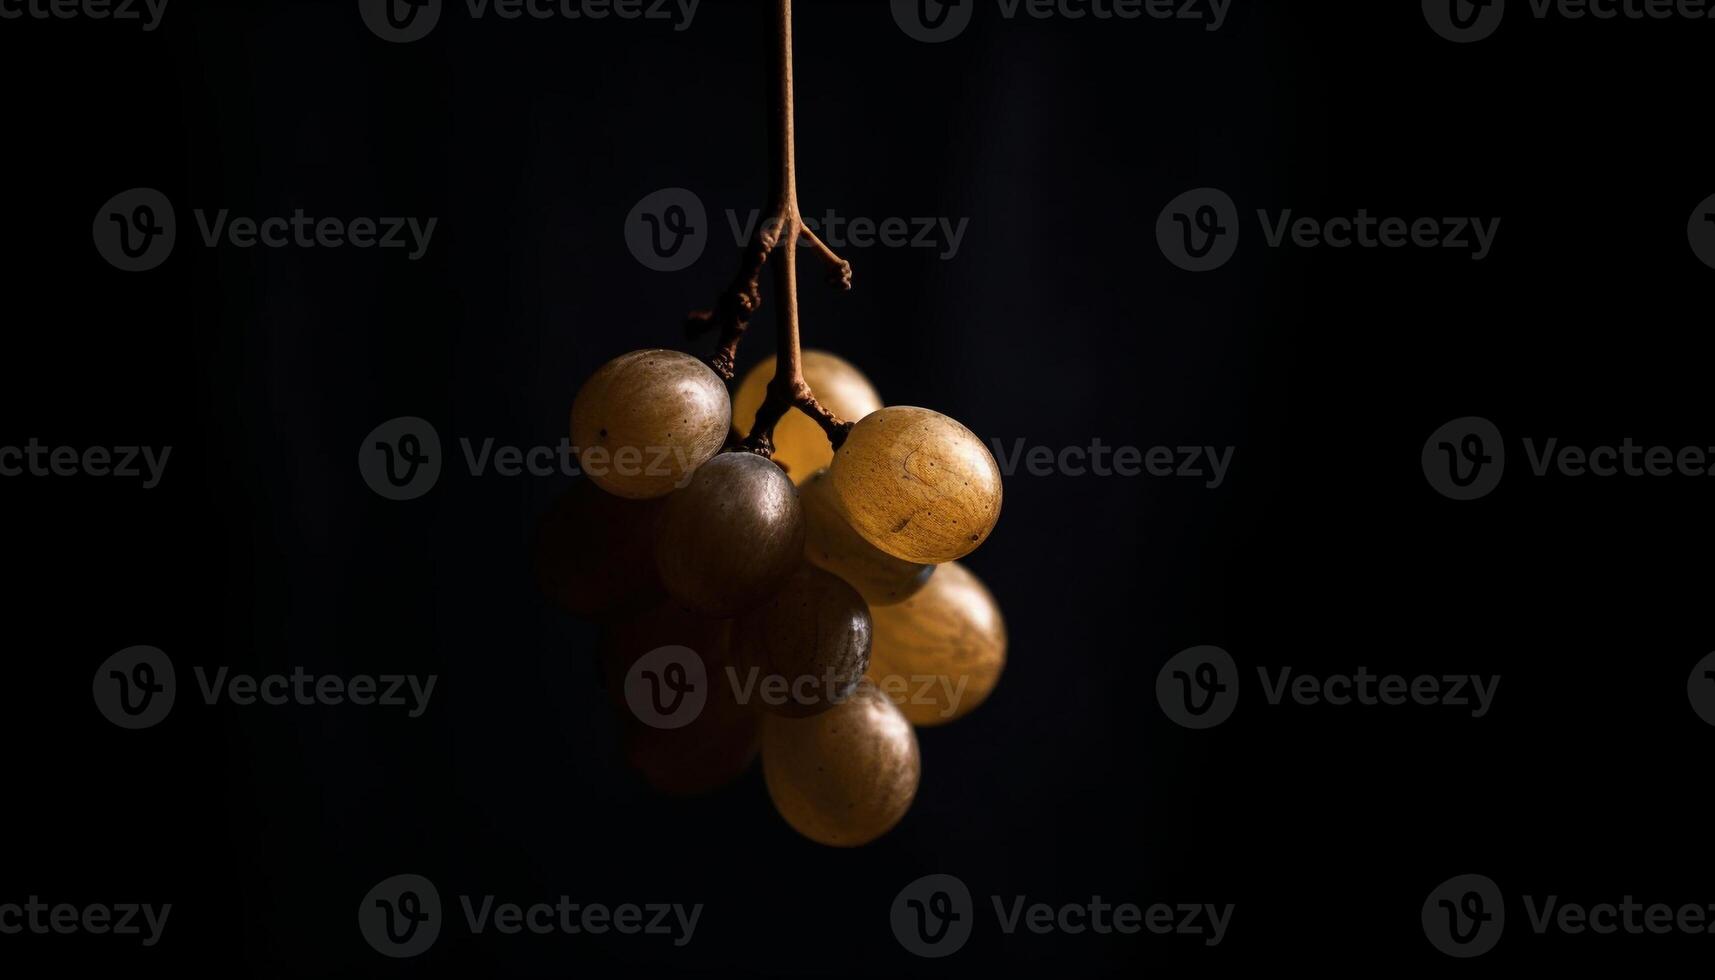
[(917, 485), (720, 743), (941, 652), (799, 443), (846, 776), (728, 540), (813, 635), (830, 542), (594, 552), (646, 419)]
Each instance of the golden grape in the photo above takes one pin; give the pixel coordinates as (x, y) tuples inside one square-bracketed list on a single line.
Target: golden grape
[(647, 419), (805, 647), (830, 542), (728, 540), (846, 776), (939, 653), (799, 443), (917, 485)]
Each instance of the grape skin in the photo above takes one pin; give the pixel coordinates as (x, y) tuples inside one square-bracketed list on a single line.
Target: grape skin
[(645, 420), (917, 485), (728, 541), (846, 776), (814, 635), (941, 652), (830, 542)]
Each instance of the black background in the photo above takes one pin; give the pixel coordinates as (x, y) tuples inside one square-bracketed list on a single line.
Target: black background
[(1058, 322)]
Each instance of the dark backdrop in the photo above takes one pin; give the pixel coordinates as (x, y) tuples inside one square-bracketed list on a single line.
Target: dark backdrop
[(1059, 321)]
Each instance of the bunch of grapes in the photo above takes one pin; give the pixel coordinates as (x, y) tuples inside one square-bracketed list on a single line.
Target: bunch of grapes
[(827, 579)]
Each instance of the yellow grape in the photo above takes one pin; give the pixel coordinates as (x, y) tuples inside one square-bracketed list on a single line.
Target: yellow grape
[(645, 420), (917, 485), (940, 653), (728, 540), (799, 443), (846, 776), (830, 542)]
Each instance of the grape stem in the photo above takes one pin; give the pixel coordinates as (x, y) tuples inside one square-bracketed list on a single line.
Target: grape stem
[(785, 230)]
